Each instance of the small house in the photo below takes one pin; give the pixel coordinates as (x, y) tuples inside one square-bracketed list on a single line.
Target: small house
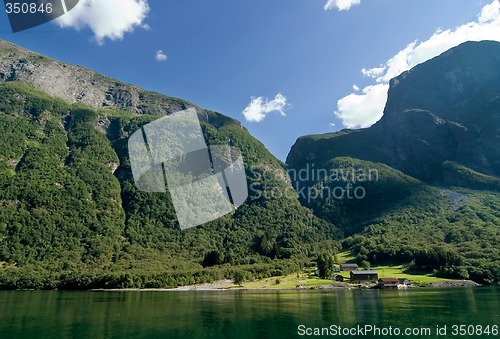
[(337, 277), (388, 282), (348, 267), (364, 276), (404, 281)]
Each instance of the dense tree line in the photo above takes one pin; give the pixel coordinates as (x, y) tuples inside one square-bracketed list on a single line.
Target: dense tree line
[(71, 216), (430, 236), (87, 277)]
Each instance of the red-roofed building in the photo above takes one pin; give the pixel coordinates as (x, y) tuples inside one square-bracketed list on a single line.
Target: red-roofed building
[(388, 282)]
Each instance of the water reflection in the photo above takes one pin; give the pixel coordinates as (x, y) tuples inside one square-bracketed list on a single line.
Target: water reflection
[(230, 314)]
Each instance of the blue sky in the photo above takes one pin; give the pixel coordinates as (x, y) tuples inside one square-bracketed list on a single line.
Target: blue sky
[(228, 55)]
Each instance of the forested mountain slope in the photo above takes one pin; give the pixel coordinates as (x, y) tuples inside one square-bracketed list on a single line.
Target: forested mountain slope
[(436, 152), (71, 216)]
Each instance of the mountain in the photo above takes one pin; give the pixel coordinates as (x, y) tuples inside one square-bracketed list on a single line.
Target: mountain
[(432, 198), (418, 188), (75, 84), (71, 216), (440, 116)]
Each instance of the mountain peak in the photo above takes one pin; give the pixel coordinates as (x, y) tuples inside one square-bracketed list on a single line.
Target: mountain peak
[(445, 109), (445, 83)]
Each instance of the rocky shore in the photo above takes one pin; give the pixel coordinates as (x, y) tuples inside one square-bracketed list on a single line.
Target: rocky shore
[(225, 285), (453, 283)]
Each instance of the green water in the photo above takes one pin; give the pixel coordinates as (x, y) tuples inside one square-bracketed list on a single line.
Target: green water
[(241, 314)]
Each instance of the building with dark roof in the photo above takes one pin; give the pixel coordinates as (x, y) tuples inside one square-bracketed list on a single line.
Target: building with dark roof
[(348, 267), (364, 276), (404, 281)]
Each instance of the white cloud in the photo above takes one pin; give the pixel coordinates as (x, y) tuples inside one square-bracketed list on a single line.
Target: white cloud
[(160, 56), (340, 5), (259, 107), (489, 12), (359, 110), (373, 72), (355, 88), (363, 110), (107, 19)]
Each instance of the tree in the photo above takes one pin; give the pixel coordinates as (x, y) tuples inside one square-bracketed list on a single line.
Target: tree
[(238, 277), (365, 264), (325, 264), (267, 245), (213, 258)]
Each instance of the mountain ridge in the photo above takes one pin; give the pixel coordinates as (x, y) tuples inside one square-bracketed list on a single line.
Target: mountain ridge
[(437, 150), (424, 124), (74, 84), (71, 216)]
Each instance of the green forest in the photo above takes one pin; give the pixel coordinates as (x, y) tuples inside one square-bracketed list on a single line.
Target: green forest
[(72, 218)]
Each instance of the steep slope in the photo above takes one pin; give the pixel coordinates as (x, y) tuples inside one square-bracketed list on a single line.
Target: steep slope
[(441, 128), (77, 84), (444, 110), (71, 216)]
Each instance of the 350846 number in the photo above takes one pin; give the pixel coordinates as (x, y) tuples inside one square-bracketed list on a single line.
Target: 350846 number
[(474, 330), (25, 8)]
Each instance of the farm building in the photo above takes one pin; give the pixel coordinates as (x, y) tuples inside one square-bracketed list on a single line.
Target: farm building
[(348, 267), (364, 276), (388, 282), (404, 281)]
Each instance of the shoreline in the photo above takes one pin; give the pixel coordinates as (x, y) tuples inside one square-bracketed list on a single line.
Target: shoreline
[(227, 285)]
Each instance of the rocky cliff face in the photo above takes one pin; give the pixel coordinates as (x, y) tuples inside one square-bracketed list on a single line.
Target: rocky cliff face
[(446, 109), (77, 84)]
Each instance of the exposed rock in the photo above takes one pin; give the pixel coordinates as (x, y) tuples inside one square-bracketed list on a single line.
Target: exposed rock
[(446, 109), (78, 84), (456, 199), (453, 283)]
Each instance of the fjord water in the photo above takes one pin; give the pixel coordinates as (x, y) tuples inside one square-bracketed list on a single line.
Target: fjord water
[(239, 314)]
